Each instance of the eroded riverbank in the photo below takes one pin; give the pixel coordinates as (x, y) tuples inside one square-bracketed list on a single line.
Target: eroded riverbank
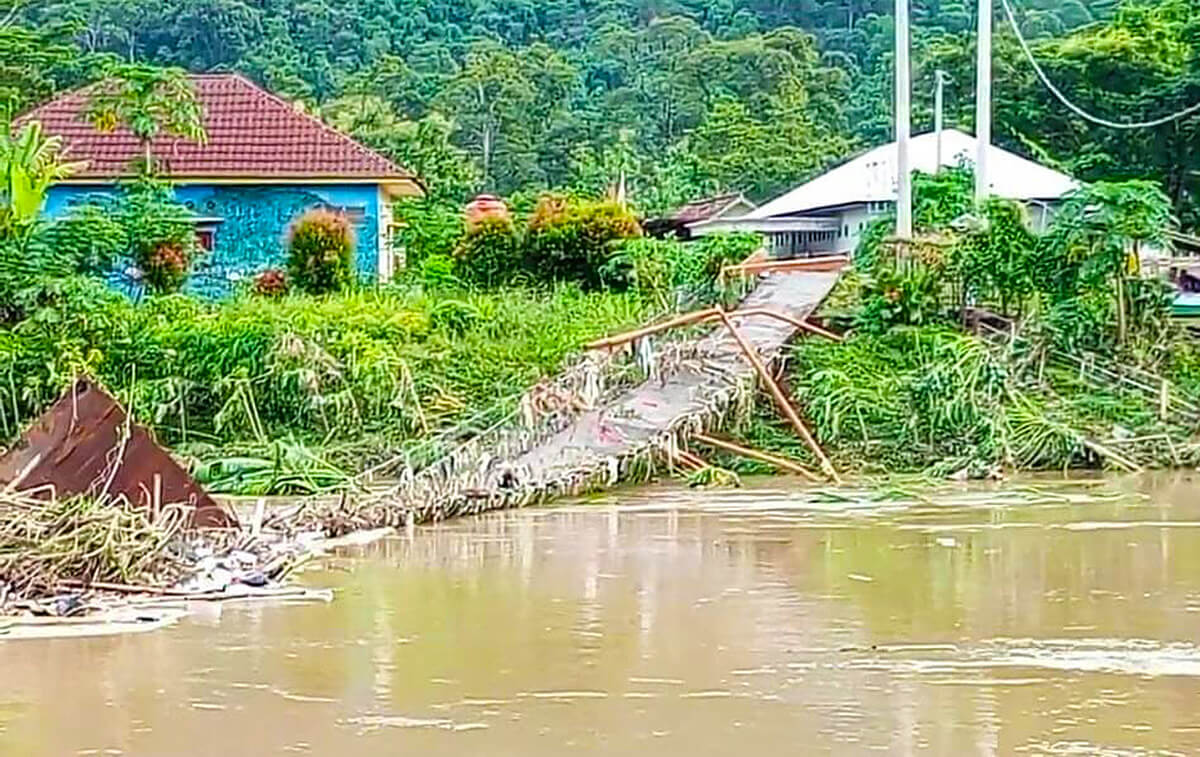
[(671, 621)]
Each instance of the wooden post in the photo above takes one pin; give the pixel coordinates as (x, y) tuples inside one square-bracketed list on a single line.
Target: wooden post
[(762, 457), (1164, 400), (781, 400)]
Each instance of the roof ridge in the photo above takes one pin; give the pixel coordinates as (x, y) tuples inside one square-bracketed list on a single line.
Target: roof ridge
[(353, 143)]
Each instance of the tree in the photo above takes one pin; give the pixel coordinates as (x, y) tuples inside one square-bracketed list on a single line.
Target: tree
[(488, 100), (29, 163), (1096, 238), (149, 101), (423, 146)]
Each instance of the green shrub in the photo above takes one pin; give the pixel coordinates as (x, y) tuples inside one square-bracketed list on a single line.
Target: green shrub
[(161, 235), (669, 272), (646, 265), (905, 294), (489, 253), (571, 239), (90, 238), (427, 228), (437, 271), (321, 251)]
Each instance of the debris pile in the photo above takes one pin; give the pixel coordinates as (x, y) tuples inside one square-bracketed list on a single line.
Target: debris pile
[(77, 555)]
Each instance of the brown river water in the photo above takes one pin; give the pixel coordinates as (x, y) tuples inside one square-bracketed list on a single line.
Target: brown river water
[(1049, 619)]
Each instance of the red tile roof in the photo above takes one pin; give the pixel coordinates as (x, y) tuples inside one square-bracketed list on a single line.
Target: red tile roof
[(252, 134)]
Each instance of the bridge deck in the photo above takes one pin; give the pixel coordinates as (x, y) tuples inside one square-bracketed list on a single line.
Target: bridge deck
[(656, 408)]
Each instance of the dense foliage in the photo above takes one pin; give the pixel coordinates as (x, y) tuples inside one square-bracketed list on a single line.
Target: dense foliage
[(320, 249), (682, 97), (392, 363)]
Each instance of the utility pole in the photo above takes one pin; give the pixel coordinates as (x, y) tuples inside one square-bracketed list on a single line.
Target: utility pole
[(983, 102), (903, 125), (939, 101)]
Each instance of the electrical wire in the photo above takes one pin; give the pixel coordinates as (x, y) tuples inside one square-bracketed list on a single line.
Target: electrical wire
[(1012, 20)]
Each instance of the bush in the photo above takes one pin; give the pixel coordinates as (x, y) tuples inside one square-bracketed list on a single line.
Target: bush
[(570, 239), (321, 251), (427, 229), (437, 271), (906, 294), (272, 282), (161, 236), (669, 271), (166, 267), (489, 253), (89, 239)]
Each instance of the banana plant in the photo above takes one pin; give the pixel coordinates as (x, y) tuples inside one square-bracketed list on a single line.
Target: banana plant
[(30, 162)]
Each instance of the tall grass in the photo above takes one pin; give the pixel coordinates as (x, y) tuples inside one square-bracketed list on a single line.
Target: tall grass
[(396, 362)]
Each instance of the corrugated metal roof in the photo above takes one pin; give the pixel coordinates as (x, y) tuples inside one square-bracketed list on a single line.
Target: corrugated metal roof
[(872, 177)]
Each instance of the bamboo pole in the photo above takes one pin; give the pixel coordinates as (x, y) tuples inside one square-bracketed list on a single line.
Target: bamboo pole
[(629, 336), (762, 457), (781, 400), (682, 461), (703, 316), (694, 460), (799, 323), (784, 265)]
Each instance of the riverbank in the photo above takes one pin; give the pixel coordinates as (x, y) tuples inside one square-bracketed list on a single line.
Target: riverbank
[(944, 402)]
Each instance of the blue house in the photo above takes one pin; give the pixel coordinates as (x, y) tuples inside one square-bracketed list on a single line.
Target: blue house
[(264, 163)]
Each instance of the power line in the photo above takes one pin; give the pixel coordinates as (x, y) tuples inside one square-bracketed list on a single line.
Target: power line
[(1008, 11)]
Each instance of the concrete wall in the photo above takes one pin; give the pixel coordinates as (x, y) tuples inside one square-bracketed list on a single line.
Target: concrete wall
[(248, 224)]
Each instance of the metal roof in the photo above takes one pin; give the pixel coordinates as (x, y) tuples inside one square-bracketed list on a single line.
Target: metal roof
[(871, 177)]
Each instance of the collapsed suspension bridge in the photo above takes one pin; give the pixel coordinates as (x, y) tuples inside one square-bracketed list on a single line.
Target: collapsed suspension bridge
[(604, 428)]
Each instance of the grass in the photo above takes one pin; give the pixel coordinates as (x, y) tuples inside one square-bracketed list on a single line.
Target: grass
[(360, 373), (938, 401)]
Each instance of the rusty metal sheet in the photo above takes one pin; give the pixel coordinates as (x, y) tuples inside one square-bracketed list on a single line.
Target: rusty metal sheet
[(76, 447)]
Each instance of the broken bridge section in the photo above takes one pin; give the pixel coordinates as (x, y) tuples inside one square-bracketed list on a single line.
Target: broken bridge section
[(689, 398), (613, 427)]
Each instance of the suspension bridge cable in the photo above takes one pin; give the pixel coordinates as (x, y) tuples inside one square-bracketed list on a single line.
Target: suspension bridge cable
[(1131, 126)]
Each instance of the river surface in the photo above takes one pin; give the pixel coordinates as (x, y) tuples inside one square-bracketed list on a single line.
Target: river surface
[(1025, 619)]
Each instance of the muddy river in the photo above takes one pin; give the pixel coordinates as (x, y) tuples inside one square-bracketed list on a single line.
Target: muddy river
[(1027, 619)]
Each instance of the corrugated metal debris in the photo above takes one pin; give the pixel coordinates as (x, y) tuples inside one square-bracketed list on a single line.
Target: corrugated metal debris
[(86, 444)]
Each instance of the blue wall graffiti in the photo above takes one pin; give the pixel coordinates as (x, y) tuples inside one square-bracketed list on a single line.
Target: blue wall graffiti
[(248, 223)]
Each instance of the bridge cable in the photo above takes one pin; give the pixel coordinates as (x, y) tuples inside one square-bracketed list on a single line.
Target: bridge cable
[(1008, 11)]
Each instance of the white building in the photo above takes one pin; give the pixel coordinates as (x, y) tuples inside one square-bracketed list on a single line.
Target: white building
[(828, 214)]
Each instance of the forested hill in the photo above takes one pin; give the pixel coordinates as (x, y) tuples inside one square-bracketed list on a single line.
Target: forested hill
[(683, 96)]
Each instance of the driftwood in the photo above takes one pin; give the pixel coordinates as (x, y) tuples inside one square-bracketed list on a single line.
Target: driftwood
[(763, 457)]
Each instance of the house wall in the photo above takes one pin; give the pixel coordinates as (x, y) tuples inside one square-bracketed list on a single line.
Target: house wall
[(249, 222)]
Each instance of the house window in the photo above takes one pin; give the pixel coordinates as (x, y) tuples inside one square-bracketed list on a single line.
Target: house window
[(206, 238), (206, 232)]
